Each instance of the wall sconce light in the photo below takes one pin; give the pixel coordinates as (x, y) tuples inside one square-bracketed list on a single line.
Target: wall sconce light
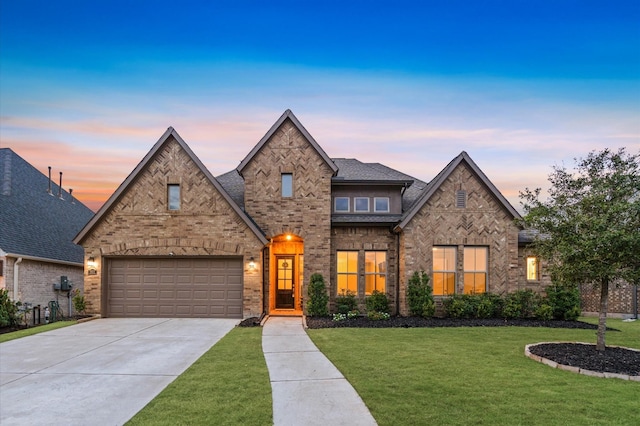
[(92, 266), (252, 264)]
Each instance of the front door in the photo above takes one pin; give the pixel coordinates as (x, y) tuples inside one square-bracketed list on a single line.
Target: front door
[(285, 282)]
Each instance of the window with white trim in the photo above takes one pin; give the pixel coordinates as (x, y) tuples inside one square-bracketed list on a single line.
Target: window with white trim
[(381, 204), (361, 204), (341, 204), (287, 185)]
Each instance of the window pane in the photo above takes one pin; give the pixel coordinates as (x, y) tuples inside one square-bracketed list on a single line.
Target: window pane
[(287, 185), (381, 204), (375, 271), (475, 259), (173, 192), (347, 271), (342, 204), (443, 283), (532, 269), (475, 282), (361, 204), (444, 259)]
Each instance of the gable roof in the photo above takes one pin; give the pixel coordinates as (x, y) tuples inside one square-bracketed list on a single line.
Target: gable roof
[(33, 222), (352, 171), (286, 115), (443, 175), (170, 133)]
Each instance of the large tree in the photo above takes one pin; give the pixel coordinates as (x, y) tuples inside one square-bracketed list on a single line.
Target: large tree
[(589, 226)]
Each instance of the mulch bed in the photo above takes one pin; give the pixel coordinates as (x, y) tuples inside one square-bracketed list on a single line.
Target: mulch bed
[(586, 357)]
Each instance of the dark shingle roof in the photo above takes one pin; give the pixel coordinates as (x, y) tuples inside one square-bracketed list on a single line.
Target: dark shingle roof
[(233, 183), (32, 221)]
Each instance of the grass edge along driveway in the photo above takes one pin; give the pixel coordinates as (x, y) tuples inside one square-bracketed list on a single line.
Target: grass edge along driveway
[(229, 384), (477, 376)]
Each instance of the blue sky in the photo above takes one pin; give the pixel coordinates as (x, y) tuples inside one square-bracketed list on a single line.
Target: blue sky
[(88, 87)]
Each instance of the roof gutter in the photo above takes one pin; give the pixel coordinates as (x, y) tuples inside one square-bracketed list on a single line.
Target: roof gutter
[(20, 257)]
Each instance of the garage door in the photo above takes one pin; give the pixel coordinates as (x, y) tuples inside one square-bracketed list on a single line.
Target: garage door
[(173, 287)]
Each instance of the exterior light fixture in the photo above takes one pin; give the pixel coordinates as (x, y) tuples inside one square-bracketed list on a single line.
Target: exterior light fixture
[(252, 264), (92, 266)]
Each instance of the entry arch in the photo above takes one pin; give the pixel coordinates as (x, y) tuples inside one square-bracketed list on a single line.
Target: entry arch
[(286, 263)]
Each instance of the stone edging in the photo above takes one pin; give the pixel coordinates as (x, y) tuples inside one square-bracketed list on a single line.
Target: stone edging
[(578, 370)]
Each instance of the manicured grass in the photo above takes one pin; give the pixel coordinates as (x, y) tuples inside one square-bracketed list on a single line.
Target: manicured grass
[(229, 385), (34, 330), (477, 376)]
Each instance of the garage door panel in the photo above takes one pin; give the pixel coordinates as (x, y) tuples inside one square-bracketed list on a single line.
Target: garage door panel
[(208, 287)]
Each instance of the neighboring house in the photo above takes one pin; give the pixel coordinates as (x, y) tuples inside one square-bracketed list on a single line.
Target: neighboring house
[(174, 240), (38, 221)]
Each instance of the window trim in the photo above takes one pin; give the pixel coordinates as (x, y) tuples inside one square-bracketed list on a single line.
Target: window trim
[(355, 205), (375, 205), (288, 185), (170, 206), (335, 204)]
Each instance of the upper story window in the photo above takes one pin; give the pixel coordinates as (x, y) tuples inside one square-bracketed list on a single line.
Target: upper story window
[(287, 185), (361, 204), (341, 204), (173, 196), (381, 204)]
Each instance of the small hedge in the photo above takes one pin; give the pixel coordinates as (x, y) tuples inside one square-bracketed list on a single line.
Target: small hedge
[(318, 297), (560, 303)]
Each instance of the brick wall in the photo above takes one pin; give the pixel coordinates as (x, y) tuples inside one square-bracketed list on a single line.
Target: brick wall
[(139, 224), (620, 298), (307, 213), (484, 222), (364, 239), (36, 280)]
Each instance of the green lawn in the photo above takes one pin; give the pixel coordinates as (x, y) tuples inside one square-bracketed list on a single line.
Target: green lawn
[(229, 385), (477, 376), (34, 330)]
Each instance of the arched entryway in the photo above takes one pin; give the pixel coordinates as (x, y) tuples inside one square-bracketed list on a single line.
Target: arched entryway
[(286, 277)]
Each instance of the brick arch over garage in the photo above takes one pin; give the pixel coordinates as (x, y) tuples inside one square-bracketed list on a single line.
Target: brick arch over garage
[(174, 246)]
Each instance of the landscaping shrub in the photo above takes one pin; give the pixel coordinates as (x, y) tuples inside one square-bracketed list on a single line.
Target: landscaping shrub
[(564, 301), (377, 302), (79, 303), (346, 302), (544, 312), (377, 316), (458, 306), (318, 298), (420, 295), (489, 305), (521, 304), (8, 310)]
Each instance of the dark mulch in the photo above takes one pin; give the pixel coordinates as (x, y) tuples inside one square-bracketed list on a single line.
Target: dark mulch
[(250, 322), (612, 360), (407, 322)]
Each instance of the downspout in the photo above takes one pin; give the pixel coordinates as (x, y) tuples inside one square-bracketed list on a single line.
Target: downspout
[(16, 278)]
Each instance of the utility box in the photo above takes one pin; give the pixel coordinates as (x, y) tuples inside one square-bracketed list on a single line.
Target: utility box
[(64, 283)]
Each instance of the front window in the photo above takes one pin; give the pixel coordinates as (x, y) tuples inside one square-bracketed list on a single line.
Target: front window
[(341, 204), (381, 204), (173, 196), (375, 271), (475, 270), (287, 185), (361, 204), (347, 271), (444, 270), (533, 271)]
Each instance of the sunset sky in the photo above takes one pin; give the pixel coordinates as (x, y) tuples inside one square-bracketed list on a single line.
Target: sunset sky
[(88, 87)]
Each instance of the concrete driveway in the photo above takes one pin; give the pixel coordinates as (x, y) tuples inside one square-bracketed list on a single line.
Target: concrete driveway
[(100, 372)]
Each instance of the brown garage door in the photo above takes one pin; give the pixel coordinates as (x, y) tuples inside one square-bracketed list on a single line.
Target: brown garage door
[(174, 287)]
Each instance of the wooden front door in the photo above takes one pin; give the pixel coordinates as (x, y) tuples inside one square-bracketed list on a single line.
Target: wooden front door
[(285, 282)]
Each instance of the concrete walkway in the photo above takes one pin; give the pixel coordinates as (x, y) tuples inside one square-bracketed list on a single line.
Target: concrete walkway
[(307, 389), (101, 372)]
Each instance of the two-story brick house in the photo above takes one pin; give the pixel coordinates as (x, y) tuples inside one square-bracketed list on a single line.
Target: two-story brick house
[(174, 240)]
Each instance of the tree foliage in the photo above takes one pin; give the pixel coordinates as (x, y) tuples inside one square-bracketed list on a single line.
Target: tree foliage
[(589, 227)]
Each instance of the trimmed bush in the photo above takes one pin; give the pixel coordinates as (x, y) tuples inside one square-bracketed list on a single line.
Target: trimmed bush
[(564, 302), (377, 302), (521, 304), (318, 297), (346, 302), (9, 315), (544, 312), (420, 295)]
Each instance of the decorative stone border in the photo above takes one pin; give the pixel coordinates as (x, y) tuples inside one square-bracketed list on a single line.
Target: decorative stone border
[(554, 364)]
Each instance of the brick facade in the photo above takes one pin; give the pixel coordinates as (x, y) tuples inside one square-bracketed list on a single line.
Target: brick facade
[(620, 303), (36, 282), (139, 224)]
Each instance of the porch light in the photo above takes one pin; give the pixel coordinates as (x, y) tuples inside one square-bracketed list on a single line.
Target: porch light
[(252, 263), (288, 237), (92, 266)]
